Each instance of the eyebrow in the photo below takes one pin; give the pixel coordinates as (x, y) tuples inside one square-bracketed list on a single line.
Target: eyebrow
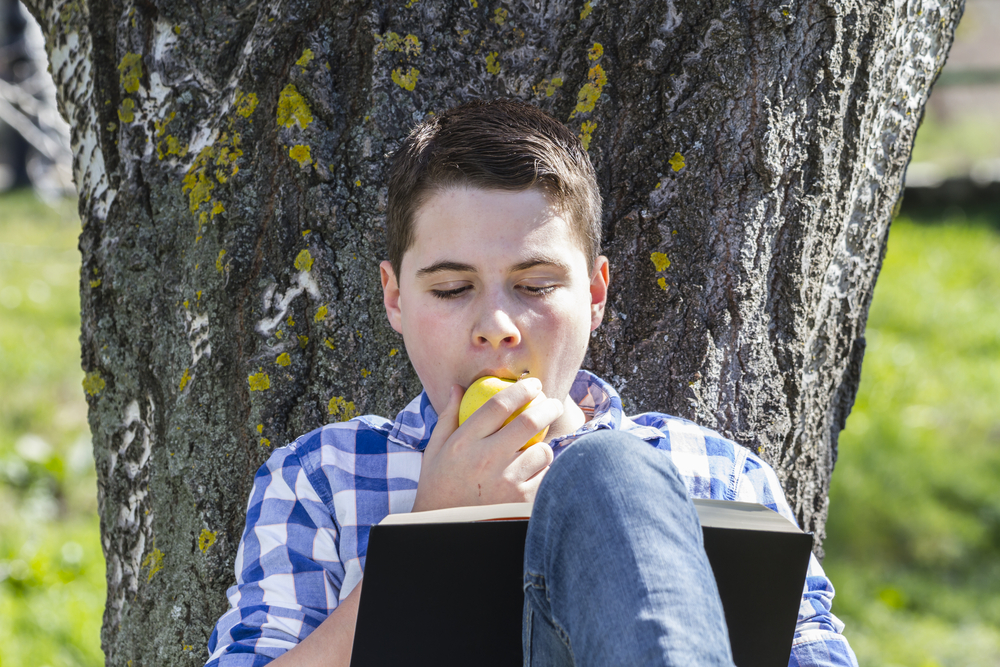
[(540, 260), (440, 267), (458, 267)]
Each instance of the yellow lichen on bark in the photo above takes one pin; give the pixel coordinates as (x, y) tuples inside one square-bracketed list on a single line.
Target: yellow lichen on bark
[(154, 561), (406, 81), (304, 261), (587, 98), (587, 133), (161, 125), (93, 383), (223, 155), (551, 86), (206, 539), (660, 261), (130, 71), (391, 41), (293, 108), (302, 154), (259, 381), (342, 409), (492, 64), (246, 103), (305, 59), (126, 111)]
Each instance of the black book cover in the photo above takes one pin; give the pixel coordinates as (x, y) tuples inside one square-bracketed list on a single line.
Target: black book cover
[(447, 594)]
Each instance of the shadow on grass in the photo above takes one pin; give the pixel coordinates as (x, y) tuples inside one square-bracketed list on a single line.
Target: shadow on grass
[(955, 201)]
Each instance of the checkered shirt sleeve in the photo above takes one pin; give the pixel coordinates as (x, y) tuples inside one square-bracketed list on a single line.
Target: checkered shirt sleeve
[(287, 565), (714, 467)]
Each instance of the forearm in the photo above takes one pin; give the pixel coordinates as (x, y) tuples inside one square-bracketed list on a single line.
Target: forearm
[(331, 643)]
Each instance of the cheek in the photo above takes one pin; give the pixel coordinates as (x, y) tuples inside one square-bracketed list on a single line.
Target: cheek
[(566, 325), (426, 331)]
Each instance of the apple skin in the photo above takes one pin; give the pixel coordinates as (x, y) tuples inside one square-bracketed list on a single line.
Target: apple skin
[(483, 390)]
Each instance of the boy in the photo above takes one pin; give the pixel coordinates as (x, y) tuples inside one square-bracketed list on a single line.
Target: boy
[(493, 236)]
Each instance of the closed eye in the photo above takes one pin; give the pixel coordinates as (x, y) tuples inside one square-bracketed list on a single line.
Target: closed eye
[(536, 290), (450, 293)]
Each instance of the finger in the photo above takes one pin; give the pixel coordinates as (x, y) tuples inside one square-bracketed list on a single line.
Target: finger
[(534, 420), (529, 489), (529, 464), (534, 460), (490, 417), (447, 422)]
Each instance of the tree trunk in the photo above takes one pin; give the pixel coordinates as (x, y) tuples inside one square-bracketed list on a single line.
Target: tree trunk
[(230, 161)]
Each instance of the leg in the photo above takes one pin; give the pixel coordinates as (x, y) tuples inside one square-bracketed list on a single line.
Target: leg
[(615, 569)]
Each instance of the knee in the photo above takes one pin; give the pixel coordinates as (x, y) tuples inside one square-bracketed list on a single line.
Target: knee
[(610, 461)]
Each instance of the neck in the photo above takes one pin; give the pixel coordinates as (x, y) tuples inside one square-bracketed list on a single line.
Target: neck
[(571, 419)]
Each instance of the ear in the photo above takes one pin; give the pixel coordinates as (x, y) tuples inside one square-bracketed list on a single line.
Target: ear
[(599, 291), (390, 296)]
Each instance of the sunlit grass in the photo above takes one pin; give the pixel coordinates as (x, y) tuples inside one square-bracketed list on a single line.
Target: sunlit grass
[(51, 566), (914, 532)]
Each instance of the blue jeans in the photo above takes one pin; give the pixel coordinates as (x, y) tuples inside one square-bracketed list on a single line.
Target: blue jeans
[(615, 571)]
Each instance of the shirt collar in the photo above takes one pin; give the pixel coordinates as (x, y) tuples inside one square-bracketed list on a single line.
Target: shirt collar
[(599, 401)]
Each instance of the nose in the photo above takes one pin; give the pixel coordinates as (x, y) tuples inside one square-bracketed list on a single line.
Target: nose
[(496, 326)]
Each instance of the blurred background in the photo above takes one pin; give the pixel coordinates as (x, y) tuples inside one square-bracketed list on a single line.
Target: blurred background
[(913, 541)]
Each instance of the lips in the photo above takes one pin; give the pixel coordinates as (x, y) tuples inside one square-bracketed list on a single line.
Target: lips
[(502, 373)]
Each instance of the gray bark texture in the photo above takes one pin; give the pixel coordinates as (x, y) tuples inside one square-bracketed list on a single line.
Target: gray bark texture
[(230, 161)]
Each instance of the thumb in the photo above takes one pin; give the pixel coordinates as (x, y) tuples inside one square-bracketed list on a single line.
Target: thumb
[(447, 422)]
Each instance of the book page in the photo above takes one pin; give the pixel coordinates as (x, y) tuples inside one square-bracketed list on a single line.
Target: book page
[(711, 514), (741, 516), (503, 511)]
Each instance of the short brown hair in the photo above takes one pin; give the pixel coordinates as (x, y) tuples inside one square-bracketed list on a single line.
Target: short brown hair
[(499, 145)]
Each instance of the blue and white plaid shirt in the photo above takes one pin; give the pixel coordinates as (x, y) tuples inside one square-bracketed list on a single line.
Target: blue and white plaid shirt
[(314, 501)]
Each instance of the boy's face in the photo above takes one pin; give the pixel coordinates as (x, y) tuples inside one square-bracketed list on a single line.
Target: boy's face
[(495, 283)]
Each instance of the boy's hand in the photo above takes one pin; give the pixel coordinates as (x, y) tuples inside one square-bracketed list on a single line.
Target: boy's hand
[(479, 462)]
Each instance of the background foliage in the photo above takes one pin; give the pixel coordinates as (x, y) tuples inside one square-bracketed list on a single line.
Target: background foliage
[(51, 566), (914, 531)]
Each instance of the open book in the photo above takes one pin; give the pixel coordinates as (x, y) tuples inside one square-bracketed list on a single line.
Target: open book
[(444, 587), (711, 514)]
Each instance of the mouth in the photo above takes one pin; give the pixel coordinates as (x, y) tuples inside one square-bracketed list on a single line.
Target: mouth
[(503, 374)]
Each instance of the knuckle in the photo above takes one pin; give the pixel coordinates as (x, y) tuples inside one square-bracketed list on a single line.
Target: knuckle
[(533, 421)]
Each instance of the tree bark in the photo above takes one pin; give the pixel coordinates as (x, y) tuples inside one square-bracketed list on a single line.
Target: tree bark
[(230, 161)]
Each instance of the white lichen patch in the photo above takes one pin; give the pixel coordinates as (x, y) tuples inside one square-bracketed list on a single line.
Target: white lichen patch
[(671, 19), (135, 427), (164, 38), (275, 306), (197, 330), (126, 544), (70, 61)]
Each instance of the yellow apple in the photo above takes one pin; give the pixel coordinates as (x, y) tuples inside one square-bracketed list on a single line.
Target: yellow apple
[(481, 391)]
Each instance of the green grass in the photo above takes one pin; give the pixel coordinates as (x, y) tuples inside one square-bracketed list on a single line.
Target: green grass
[(51, 566), (914, 531)]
